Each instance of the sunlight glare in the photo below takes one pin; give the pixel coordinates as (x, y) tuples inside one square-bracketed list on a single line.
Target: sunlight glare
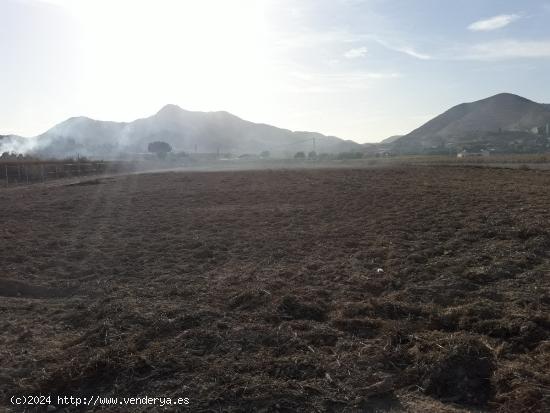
[(195, 53)]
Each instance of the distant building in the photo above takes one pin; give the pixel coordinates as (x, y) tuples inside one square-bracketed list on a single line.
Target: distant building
[(466, 154), (541, 130)]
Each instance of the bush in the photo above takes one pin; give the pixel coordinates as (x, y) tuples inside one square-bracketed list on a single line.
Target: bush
[(160, 148), (349, 155)]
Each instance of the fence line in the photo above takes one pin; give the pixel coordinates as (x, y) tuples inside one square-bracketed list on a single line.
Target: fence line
[(19, 173)]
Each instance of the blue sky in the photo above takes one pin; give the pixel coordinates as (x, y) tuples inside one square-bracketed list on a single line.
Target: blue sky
[(357, 69)]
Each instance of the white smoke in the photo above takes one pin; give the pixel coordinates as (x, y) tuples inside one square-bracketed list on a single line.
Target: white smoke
[(18, 144)]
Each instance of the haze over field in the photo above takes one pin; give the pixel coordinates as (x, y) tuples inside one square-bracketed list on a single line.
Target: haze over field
[(361, 70), (275, 206)]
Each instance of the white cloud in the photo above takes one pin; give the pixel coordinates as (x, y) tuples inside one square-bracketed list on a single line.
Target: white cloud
[(355, 53), (403, 49), (508, 49), (493, 23), (411, 52)]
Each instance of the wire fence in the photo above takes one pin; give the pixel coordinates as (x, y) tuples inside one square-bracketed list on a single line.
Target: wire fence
[(28, 172)]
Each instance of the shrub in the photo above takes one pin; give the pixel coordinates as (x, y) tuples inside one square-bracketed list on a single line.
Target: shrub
[(160, 148)]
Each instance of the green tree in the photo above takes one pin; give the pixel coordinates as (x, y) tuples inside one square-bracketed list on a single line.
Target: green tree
[(160, 148)]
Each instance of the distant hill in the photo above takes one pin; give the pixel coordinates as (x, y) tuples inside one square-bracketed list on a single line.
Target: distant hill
[(204, 132), (504, 123), (384, 146), (391, 139)]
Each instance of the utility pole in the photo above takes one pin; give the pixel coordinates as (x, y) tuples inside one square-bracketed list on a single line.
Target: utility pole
[(314, 146)]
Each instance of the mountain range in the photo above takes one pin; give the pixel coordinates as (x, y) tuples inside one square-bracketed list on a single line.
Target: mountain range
[(185, 131), (502, 123)]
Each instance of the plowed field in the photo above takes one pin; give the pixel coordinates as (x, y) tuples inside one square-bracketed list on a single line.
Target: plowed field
[(390, 289)]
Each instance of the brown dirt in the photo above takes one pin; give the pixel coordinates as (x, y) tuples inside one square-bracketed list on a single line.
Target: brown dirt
[(395, 289)]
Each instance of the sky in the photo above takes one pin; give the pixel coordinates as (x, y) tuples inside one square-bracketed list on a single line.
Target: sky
[(356, 69)]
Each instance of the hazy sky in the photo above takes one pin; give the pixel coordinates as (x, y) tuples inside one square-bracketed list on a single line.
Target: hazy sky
[(357, 69)]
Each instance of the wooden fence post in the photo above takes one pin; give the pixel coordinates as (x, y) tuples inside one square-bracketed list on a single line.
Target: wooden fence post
[(7, 179)]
